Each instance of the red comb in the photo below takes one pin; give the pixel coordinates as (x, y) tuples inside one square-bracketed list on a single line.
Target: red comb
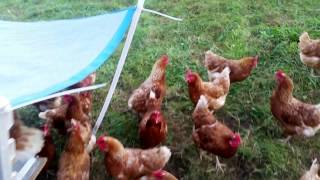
[(156, 116), (280, 73), (165, 59), (237, 136), (156, 112), (46, 129), (159, 173), (188, 76), (100, 138), (188, 73), (101, 143), (235, 140), (68, 98)]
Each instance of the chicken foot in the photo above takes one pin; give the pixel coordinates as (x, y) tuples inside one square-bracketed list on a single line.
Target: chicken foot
[(286, 140), (315, 73), (219, 165), (203, 154)]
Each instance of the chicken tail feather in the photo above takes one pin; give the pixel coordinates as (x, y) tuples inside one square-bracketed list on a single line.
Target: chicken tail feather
[(202, 102), (207, 56), (32, 139), (304, 37), (165, 152), (43, 115), (226, 71), (152, 95)]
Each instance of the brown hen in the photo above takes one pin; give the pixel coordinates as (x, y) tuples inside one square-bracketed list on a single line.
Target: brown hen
[(76, 113), (152, 129), (126, 163), (211, 135), (215, 91), (48, 150), (295, 116), (151, 92), (240, 69), (29, 141), (309, 51), (74, 163)]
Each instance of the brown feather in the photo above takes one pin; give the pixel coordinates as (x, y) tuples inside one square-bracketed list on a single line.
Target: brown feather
[(127, 163), (152, 134), (291, 112), (153, 176), (240, 69), (214, 139), (202, 116), (74, 163), (309, 46), (140, 100), (211, 90), (48, 151)]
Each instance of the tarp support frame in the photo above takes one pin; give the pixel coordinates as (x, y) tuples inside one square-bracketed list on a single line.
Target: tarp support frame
[(6, 144), (120, 65)]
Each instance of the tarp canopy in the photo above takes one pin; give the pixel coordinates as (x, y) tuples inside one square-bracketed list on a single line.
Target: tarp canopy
[(41, 58)]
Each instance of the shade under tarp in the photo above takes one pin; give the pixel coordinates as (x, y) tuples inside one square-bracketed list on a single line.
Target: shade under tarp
[(40, 58)]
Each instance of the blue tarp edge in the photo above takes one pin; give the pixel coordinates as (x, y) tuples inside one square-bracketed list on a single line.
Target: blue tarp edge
[(97, 62)]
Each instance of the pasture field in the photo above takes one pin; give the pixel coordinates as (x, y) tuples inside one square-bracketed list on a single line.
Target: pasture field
[(232, 28)]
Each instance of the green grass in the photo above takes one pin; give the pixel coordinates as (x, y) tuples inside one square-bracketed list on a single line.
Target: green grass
[(232, 28)]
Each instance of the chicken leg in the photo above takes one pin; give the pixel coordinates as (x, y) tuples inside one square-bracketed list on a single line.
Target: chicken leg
[(203, 154), (286, 140), (315, 73), (219, 165)]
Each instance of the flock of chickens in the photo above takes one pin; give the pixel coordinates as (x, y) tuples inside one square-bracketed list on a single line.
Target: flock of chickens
[(70, 115)]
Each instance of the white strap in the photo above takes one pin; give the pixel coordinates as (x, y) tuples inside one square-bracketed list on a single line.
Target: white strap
[(122, 59), (88, 88), (161, 14), (120, 65)]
